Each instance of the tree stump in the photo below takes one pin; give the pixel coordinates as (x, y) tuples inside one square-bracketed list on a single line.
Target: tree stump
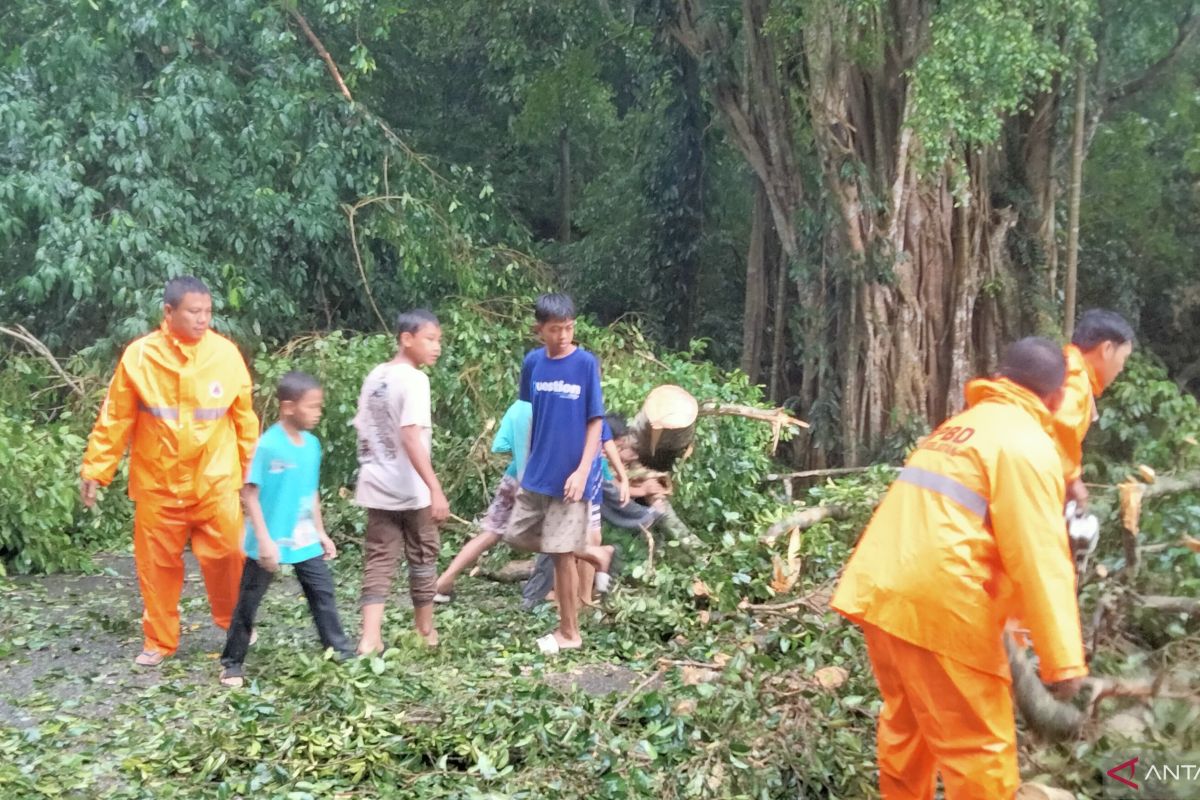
[(665, 426)]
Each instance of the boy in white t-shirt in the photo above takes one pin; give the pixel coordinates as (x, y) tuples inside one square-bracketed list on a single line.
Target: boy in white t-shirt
[(396, 482)]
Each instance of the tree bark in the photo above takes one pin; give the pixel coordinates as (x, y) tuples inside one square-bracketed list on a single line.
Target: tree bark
[(754, 311), (1075, 193), (779, 326)]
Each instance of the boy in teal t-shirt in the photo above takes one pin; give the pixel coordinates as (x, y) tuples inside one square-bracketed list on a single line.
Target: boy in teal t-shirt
[(511, 437), (284, 525)]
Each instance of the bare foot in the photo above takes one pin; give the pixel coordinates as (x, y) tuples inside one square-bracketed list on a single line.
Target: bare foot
[(565, 643), (365, 647)]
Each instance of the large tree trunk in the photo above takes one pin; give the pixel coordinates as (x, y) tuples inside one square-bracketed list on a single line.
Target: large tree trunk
[(910, 254), (1075, 192), (686, 228), (776, 389), (754, 314)]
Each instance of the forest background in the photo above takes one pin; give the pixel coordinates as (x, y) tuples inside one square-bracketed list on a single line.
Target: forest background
[(844, 208)]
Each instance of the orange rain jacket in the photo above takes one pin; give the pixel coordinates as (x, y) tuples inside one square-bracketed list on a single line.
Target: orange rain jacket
[(186, 408), (971, 534), (1078, 411)]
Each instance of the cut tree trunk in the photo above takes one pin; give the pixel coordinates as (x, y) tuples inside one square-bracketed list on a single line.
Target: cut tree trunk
[(665, 426)]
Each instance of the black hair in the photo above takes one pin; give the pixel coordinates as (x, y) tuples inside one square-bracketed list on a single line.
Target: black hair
[(1097, 326), (294, 385), (414, 319), (553, 307), (617, 424), (176, 288), (1035, 363)]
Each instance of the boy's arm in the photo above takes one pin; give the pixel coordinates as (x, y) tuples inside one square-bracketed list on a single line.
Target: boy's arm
[(327, 544), (577, 482), (418, 456), (268, 551), (613, 454)]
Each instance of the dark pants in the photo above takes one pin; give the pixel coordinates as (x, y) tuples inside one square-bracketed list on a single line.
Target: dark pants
[(317, 582)]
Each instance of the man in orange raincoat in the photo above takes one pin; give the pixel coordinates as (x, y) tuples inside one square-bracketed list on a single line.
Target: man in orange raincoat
[(970, 532), (1101, 343), (181, 396)]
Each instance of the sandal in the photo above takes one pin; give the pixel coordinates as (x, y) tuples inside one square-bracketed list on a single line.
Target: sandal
[(442, 599), (232, 677), (149, 658), (549, 646)]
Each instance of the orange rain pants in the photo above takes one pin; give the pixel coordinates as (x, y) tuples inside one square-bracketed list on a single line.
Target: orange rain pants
[(940, 715), (161, 529)]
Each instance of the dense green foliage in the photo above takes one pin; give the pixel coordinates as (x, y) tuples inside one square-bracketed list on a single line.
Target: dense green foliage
[(143, 140), (492, 149)]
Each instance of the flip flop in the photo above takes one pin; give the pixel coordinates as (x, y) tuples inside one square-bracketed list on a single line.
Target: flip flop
[(149, 658), (253, 636), (548, 645), (443, 598)]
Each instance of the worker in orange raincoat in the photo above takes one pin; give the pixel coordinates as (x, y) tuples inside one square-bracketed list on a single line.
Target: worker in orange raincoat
[(970, 532), (181, 395), (1100, 344)]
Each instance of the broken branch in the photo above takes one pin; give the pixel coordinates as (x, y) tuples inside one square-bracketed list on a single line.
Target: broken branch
[(802, 520), (22, 335)]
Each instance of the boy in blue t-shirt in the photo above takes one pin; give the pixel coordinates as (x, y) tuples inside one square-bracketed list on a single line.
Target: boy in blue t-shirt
[(284, 525), (551, 511), (511, 437)]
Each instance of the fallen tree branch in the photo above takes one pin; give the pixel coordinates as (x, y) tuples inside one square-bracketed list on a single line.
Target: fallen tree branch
[(673, 662), (816, 600), (713, 409), (628, 698), (803, 520), (362, 272), (512, 572), (777, 417), (781, 608), (649, 550), (1173, 484), (1171, 605), (818, 473), (1058, 720), (22, 335), (788, 477), (334, 72)]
